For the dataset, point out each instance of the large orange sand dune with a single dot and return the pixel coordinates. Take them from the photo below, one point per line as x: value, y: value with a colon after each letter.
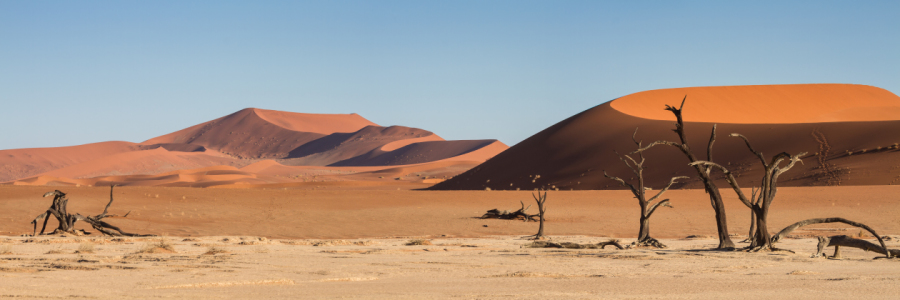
x: 849, y: 149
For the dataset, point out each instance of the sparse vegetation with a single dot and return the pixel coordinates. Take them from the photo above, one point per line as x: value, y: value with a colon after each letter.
x: 160, y: 246
x: 213, y: 250
x: 85, y: 248
x: 419, y: 243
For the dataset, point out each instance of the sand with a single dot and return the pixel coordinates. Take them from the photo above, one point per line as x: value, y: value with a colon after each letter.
x: 573, y: 153
x: 292, y: 146
x: 767, y: 104
x: 333, y: 241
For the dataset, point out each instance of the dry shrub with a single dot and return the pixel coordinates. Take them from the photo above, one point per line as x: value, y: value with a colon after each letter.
x: 296, y: 242
x: 213, y: 250
x: 160, y: 246
x: 5, y: 249
x: 419, y: 243
x: 85, y: 248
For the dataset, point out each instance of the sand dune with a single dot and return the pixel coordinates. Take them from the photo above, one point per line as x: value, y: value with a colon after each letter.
x: 284, y: 142
x: 417, y: 153
x: 21, y: 163
x: 572, y: 154
x: 337, y: 147
x: 768, y: 104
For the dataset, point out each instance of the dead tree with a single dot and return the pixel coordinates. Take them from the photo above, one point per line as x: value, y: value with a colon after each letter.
x: 507, y: 215
x: 761, y: 198
x: 703, y: 171
x: 832, y: 241
x: 648, y: 207
x: 846, y: 241
x: 67, y: 221
x: 541, y: 199
x: 568, y: 245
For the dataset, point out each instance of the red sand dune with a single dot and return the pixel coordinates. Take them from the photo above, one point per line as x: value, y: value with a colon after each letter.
x: 22, y: 163
x: 573, y: 153
x: 279, y: 146
x: 768, y: 104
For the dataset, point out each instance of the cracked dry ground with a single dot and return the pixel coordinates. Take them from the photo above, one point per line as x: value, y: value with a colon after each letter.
x: 50, y: 267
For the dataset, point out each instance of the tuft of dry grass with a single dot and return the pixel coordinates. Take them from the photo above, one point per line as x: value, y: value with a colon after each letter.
x: 85, y: 248
x: 213, y: 250
x: 160, y: 246
x: 419, y: 243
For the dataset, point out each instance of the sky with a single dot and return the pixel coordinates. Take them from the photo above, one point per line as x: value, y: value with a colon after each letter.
x: 77, y: 72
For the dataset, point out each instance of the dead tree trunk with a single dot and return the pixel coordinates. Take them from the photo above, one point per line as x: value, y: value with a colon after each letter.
x: 760, y: 199
x: 507, y: 215
x: 67, y: 221
x: 715, y: 198
x: 57, y: 209
x: 648, y: 207
x: 846, y: 241
x: 787, y: 230
x: 541, y: 199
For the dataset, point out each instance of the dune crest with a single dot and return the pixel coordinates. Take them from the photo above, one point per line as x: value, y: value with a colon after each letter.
x: 767, y: 104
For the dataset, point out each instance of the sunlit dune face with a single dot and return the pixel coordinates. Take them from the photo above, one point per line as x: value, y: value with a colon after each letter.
x: 766, y: 104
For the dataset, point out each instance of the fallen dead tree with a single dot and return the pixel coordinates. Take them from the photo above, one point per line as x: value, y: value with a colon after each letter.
x: 840, y: 240
x: 568, y: 245
x: 66, y: 221
x: 847, y: 241
x: 519, y: 214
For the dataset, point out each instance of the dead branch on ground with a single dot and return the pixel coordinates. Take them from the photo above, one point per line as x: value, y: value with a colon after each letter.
x: 846, y: 241
x: 568, y: 245
x: 520, y: 214
x: 67, y: 221
x: 787, y: 230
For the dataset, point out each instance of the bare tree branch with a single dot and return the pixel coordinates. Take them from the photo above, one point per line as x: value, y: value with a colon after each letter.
x: 790, y: 228
x: 671, y: 182
x: 729, y: 177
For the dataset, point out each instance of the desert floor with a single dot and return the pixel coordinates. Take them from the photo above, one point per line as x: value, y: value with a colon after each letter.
x: 338, y: 241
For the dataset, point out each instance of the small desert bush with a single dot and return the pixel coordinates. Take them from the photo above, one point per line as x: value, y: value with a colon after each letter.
x: 160, y: 246
x: 6, y: 249
x: 85, y: 248
x: 213, y: 250
x: 419, y: 243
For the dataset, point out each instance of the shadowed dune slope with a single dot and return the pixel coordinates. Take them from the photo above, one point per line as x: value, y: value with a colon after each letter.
x: 342, y: 146
x: 572, y: 154
x: 417, y: 153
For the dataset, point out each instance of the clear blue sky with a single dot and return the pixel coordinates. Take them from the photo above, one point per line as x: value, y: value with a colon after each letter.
x: 76, y: 72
